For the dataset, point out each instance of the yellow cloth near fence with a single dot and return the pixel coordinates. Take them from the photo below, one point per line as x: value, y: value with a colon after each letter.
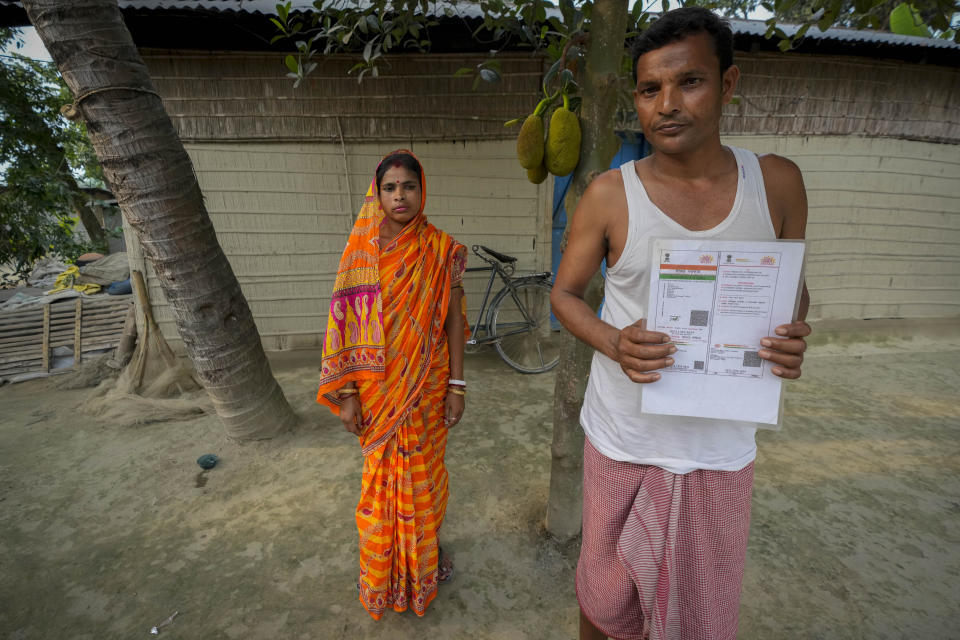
x: 68, y: 280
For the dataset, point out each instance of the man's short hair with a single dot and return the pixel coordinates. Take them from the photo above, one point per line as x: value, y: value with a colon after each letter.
x: 676, y: 25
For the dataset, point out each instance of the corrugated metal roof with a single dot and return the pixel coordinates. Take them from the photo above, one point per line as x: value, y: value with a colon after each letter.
x: 759, y: 28
x: 756, y: 28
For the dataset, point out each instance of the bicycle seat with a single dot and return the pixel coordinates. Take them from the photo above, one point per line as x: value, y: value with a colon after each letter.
x: 499, y: 256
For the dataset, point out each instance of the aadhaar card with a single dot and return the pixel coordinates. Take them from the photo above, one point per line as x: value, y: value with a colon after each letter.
x: 717, y: 300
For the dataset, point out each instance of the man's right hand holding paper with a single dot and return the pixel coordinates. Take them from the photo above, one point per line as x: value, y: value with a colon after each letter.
x: 641, y: 353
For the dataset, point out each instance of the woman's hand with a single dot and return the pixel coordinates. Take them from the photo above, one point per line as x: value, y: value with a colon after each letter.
x: 453, y: 411
x: 351, y: 414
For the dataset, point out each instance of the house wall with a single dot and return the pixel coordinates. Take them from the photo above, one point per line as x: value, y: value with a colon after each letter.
x: 214, y: 96
x: 802, y: 94
x: 883, y: 232
x: 284, y: 170
x: 282, y: 213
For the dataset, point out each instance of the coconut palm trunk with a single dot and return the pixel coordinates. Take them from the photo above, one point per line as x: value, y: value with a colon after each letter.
x: 152, y: 177
x: 598, y: 145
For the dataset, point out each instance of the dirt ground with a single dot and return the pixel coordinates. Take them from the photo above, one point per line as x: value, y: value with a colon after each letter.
x: 107, y: 526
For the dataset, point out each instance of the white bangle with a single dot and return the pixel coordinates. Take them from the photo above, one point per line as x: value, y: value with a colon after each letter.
x: 459, y: 383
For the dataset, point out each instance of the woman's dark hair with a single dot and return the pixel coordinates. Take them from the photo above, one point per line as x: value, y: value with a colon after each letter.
x: 676, y: 25
x: 405, y: 160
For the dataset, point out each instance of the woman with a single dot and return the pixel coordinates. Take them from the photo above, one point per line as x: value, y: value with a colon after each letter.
x: 392, y: 370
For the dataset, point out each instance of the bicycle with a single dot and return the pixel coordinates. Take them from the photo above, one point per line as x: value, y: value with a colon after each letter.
x: 518, y: 321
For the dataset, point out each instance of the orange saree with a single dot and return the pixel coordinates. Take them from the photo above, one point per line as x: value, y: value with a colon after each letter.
x: 386, y: 332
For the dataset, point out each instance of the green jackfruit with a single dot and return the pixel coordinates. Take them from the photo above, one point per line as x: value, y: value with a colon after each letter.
x: 538, y: 174
x: 530, y: 142
x: 563, y: 141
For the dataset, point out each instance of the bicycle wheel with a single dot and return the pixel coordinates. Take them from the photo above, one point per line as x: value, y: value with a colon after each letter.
x: 520, y: 320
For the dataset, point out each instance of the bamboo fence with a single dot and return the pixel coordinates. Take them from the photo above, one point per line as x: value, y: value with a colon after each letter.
x: 28, y: 336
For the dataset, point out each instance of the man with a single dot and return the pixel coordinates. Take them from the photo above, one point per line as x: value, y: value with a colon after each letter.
x: 667, y: 499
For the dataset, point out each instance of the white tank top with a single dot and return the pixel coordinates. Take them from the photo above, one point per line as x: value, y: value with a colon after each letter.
x: 611, y: 414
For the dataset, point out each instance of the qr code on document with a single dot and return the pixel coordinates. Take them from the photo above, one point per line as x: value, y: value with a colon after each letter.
x: 699, y: 318
x: 751, y: 359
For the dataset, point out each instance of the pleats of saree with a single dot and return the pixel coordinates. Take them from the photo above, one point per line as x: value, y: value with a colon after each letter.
x: 401, y: 508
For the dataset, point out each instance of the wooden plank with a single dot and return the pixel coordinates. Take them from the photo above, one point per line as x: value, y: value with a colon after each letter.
x: 59, y: 307
x: 62, y: 320
x: 37, y: 316
x: 19, y: 369
x: 20, y: 355
x: 34, y: 337
x: 103, y: 331
x: 46, y: 338
x: 77, y: 338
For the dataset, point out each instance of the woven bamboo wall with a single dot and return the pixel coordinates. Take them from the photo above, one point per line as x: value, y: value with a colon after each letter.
x: 240, y: 96
x: 836, y: 95
x: 246, y: 96
x: 883, y: 233
x: 282, y: 212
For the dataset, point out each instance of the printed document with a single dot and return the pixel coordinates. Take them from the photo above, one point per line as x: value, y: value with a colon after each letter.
x: 717, y: 299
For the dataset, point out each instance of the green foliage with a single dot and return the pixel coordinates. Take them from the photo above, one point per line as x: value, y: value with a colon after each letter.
x: 557, y: 28
x: 905, y: 19
x: 935, y: 15
x: 375, y: 28
x: 39, y: 154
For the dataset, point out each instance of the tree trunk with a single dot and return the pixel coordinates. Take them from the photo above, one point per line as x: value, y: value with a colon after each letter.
x: 81, y: 206
x: 152, y: 178
x: 598, y: 146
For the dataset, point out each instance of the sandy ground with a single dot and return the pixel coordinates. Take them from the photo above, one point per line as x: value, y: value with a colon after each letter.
x: 108, y: 527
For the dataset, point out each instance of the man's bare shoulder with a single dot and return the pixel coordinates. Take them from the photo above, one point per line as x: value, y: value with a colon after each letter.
x: 606, y: 185
x: 605, y: 196
x: 779, y: 173
x: 786, y: 195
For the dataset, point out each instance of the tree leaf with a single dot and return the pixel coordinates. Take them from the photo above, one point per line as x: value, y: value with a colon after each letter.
x: 367, y: 50
x: 463, y: 71
x: 291, y: 63
x: 905, y: 20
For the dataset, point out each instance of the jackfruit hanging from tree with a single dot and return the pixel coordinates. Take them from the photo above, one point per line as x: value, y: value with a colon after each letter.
x: 563, y: 141
x: 538, y: 174
x: 530, y: 140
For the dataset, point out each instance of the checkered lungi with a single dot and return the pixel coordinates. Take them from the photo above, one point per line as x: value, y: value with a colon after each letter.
x: 662, y: 554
